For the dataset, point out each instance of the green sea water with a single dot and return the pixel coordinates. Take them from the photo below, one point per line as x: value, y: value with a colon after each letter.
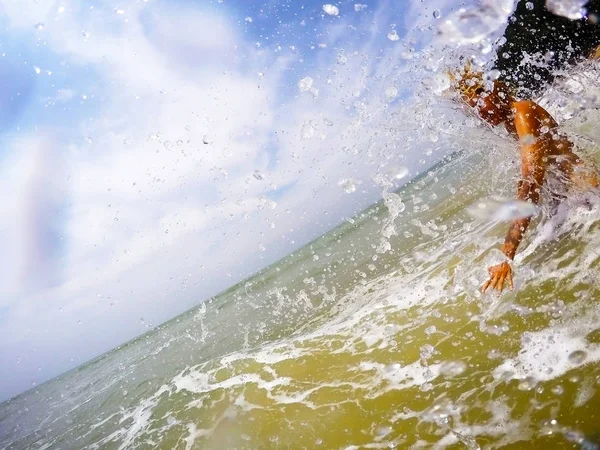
x: 373, y: 336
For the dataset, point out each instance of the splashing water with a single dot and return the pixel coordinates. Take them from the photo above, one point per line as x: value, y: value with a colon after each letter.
x: 501, y: 209
x: 474, y: 24
x: 331, y: 10
x: 571, y: 9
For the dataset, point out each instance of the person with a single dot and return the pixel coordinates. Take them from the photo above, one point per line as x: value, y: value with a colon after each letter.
x: 541, y: 146
x: 537, y: 44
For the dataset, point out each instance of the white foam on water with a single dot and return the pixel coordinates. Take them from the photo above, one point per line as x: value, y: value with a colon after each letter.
x: 397, y: 376
x: 199, y: 383
x: 500, y: 425
x: 271, y: 355
x: 140, y: 422
x: 574, y: 217
x: 544, y: 354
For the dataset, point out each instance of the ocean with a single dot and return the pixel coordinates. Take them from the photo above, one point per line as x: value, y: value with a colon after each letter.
x: 374, y: 335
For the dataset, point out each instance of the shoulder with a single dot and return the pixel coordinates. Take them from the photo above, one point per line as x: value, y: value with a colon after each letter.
x: 529, y: 112
x: 528, y: 106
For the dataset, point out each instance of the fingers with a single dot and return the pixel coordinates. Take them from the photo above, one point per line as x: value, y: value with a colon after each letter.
x: 491, y: 282
x: 485, y: 286
x: 498, y: 276
x: 500, y: 282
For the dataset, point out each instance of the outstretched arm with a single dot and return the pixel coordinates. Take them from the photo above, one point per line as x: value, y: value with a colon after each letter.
x: 533, y: 125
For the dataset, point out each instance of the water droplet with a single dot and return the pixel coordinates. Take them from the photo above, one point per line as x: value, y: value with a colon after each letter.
x: 426, y: 351
x: 393, y: 36
x: 398, y: 172
x: 578, y: 438
x: 578, y: 356
x: 428, y: 375
x: 307, y: 131
x: 529, y: 6
x: 205, y: 140
x: 452, y: 368
x: 437, y: 14
x: 474, y: 24
x: 425, y: 387
x: 557, y: 390
x: 493, y: 75
x: 348, y: 185
x: 305, y: 84
x: 259, y: 176
x: 469, y: 441
x: 382, y: 431
x: 391, y: 368
x: 37, y: 70
x: 575, y: 379
x: 248, y: 19
x: 120, y: 11
x: 498, y: 209
x: 88, y: 140
x: 391, y: 92
x: 527, y: 384
x: 332, y: 10
x: 430, y: 330
x: 39, y: 26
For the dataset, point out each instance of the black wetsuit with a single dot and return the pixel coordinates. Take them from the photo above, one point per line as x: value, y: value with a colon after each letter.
x: 538, y: 43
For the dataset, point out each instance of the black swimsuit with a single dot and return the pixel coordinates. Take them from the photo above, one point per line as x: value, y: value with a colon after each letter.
x: 538, y: 43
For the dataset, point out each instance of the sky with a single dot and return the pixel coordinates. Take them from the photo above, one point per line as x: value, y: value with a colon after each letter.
x: 155, y: 152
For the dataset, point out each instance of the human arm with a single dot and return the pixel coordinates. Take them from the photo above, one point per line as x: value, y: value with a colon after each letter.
x: 532, y: 125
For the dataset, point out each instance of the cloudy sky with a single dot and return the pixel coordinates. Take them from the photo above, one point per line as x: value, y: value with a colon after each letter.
x: 155, y: 152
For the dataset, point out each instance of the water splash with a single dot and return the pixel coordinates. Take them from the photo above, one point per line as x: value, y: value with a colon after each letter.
x: 331, y: 10
x: 497, y: 209
x: 473, y: 25
x: 571, y: 9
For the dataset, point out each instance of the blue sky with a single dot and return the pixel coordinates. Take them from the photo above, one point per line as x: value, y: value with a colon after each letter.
x: 156, y: 152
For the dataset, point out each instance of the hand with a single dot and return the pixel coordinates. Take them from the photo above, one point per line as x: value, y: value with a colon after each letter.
x: 498, y: 275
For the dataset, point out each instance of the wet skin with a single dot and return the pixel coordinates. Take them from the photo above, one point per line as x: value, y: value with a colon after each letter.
x: 540, y: 145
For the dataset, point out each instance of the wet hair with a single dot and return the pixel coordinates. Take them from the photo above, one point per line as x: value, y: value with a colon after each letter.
x: 471, y: 85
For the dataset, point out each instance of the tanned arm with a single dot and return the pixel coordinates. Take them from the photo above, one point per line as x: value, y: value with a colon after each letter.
x: 533, y: 127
